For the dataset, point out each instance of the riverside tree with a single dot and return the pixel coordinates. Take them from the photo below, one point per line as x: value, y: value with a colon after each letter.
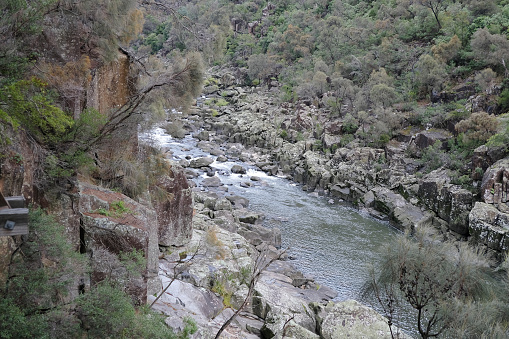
x: 444, y: 283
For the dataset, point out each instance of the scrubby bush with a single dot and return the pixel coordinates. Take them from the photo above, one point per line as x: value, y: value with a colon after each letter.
x: 451, y: 287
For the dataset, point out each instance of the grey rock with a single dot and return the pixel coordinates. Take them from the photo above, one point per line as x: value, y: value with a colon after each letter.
x: 238, y: 202
x: 201, y: 162
x: 222, y: 204
x: 238, y: 169
x: 202, y: 136
x: 406, y: 215
x: 184, y: 163
x: 222, y: 158
x: 489, y: 226
x: 174, y: 214
x: 352, y: 319
x: 211, y: 182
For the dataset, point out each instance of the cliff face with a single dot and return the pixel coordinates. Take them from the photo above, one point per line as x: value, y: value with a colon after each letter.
x: 76, y: 203
x: 111, y: 85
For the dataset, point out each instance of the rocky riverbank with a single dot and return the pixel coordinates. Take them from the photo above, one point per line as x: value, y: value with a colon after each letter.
x: 301, y: 142
x: 208, y: 277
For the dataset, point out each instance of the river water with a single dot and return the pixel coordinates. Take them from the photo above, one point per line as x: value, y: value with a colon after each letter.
x: 333, y: 243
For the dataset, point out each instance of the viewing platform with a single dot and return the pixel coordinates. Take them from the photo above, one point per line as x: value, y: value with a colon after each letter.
x: 13, y: 216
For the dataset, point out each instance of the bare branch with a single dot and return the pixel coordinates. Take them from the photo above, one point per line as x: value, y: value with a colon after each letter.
x: 190, y: 260
x: 261, y: 263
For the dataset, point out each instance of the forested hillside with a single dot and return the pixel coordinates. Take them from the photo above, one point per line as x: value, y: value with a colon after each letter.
x: 381, y: 68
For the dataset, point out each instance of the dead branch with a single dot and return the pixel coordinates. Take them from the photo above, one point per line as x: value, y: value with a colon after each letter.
x: 261, y: 263
x: 175, y: 275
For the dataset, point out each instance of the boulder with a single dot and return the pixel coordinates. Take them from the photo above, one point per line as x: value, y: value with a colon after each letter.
x: 425, y: 139
x: 350, y: 319
x: 276, y: 300
x: 222, y: 158
x: 248, y: 217
x: 331, y: 142
x: 201, y: 162
x: 202, y: 136
x: 256, y: 235
x: 489, y: 227
x: 238, y: 169
x: 211, y: 182
x: 495, y: 183
x: 238, y: 202
x: 403, y: 213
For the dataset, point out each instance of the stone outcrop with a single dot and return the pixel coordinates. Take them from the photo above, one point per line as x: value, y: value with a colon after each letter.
x: 175, y: 210
x: 385, y: 182
x: 490, y: 227
x: 112, y: 224
x: 350, y: 319
x: 450, y: 202
x: 495, y: 185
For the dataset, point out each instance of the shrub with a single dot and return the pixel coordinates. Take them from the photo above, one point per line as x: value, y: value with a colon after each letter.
x: 28, y: 104
x: 478, y: 128
x: 503, y: 100
x: 439, y: 280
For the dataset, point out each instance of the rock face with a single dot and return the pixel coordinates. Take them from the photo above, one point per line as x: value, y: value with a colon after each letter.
x: 495, y: 185
x: 175, y: 213
x: 350, y: 319
x: 113, y: 223
x: 450, y: 202
x: 490, y: 227
x: 384, y: 182
x: 489, y: 220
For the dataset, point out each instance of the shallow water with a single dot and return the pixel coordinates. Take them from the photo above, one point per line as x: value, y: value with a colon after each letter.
x: 332, y: 243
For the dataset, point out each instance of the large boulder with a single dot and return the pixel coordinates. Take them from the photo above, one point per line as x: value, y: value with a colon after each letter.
x: 425, y: 139
x: 350, y: 319
x: 403, y: 213
x: 276, y: 300
x: 112, y: 224
x: 175, y: 212
x: 238, y: 169
x: 201, y: 162
x: 489, y: 226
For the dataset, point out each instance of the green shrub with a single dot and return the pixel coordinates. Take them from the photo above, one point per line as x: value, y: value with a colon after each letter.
x: 503, y: 100
x: 283, y: 134
x: 28, y: 104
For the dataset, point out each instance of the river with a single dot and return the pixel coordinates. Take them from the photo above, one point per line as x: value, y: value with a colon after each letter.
x: 333, y: 243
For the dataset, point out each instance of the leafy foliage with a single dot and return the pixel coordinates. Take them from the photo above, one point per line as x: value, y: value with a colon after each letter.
x: 27, y: 103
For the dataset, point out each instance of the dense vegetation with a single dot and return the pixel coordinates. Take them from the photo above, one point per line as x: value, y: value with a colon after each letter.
x: 379, y: 67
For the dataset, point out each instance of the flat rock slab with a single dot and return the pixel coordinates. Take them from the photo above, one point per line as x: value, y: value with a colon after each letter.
x: 350, y: 319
